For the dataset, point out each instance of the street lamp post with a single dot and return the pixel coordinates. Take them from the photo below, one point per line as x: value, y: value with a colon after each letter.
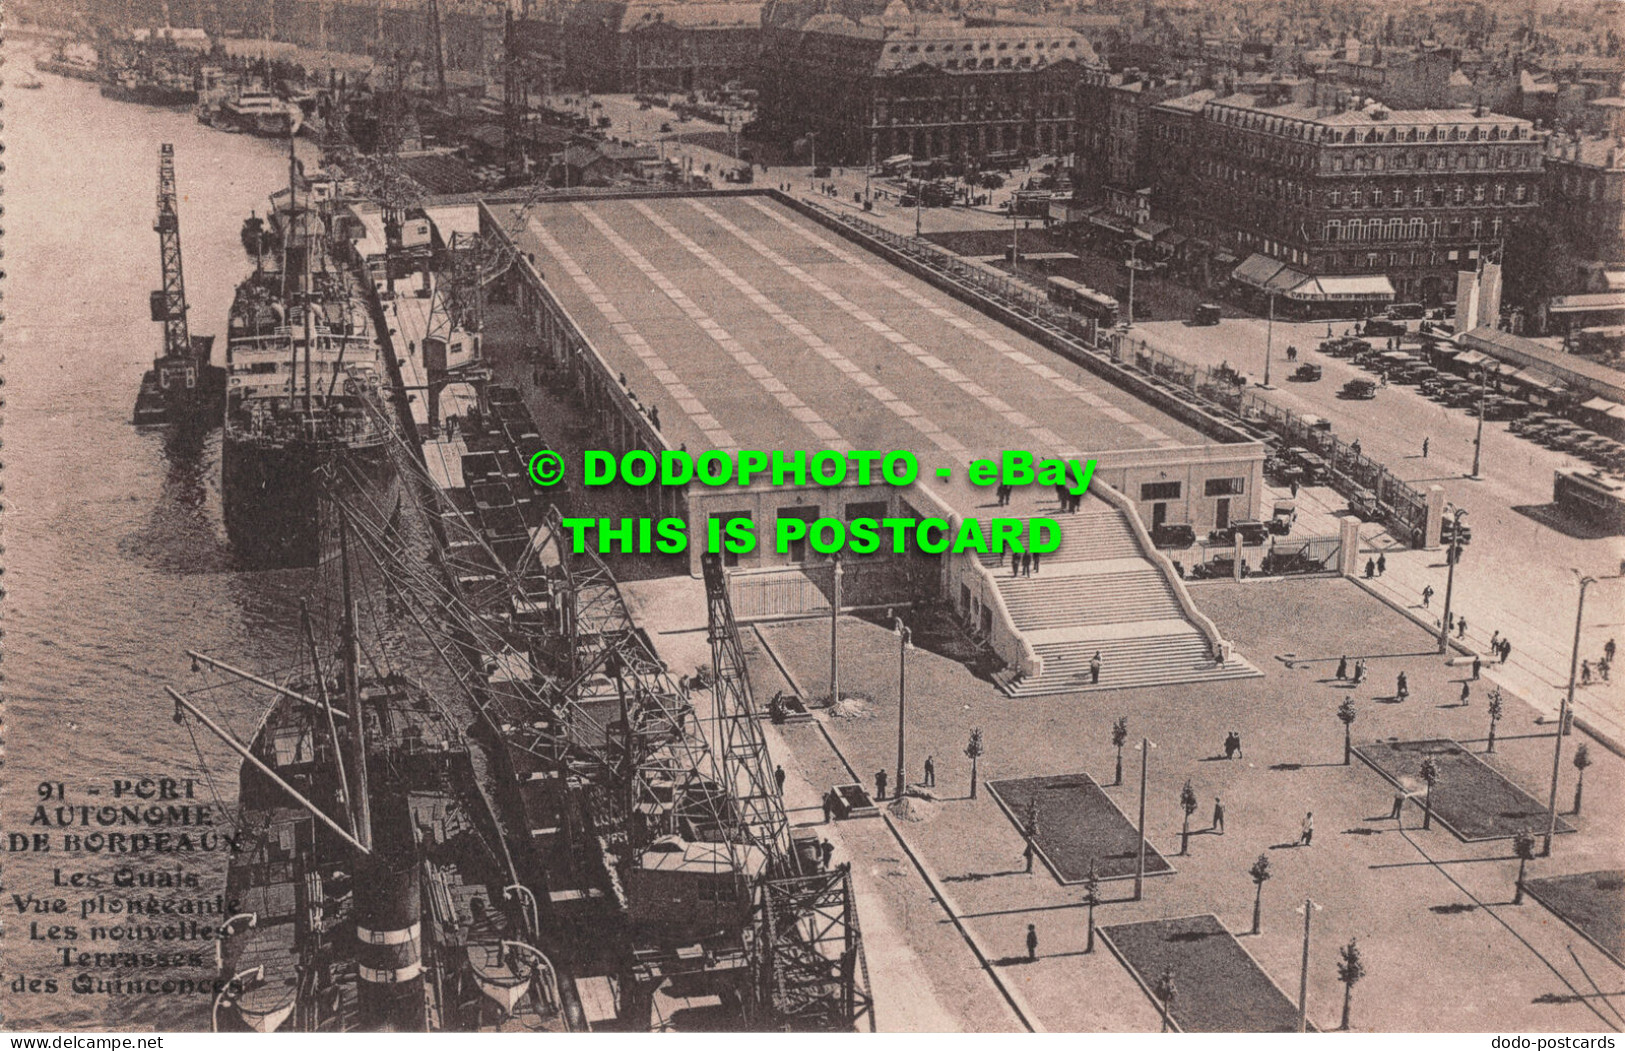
x: 1452, y: 556
x: 1133, y: 265
x: 1309, y: 908
x: 835, y: 633
x: 1563, y: 711
x: 1269, y: 342
x: 903, y: 639
x: 1139, y: 867
x: 1478, y: 440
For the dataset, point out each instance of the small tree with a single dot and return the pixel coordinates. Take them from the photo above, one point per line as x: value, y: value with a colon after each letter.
x: 1346, y: 713
x: 1030, y: 821
x: 1430, y: 777
x: 1582, y: 759
x: 1091, y: 898
x: 1523, y: 845
x: 1350, y: 969
x: 1166, y: 992
x: 1259, y: 872
x: 973, y: 752
x: 1187, y: 803
x: 1119, y: 735
x: 1495, y: 715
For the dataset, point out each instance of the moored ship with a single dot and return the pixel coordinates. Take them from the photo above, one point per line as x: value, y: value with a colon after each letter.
x: 253, y: 109
x: 373, y: 889
x: 302, y: 419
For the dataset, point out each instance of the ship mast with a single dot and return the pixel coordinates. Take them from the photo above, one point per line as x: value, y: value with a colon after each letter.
x: 361, y: 803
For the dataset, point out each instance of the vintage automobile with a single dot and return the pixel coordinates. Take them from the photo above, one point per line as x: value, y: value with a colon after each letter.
x: 1173, y: 535
x: 1359, y: 390
x: 1307, y: 373
x: 1282, y: 515
x: 1251, y: 533
x: 1206, y: 314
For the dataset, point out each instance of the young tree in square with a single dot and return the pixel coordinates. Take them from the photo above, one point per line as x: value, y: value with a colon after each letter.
x: 1187, y: 803
x: 1166, y: 992
x: 1091, y: 898
x: 1119, y: 736
x: 1350, y: 969
x: 1582, y: 759
x: 1430, y: 777
x: 1346, y: 713
x: 973, y: 752
x: 1259, y: 872
x: 1523, y: 846
x: 1495, y: 710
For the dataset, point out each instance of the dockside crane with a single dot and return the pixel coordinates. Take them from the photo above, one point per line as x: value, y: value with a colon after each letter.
x: 182, y: 386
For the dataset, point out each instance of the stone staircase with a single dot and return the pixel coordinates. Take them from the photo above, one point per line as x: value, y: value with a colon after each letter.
x: 1100, y: 593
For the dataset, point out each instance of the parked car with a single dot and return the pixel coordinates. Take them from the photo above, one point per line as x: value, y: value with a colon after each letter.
x: 1206, y: 314
x: 1173, y: 535
x: 1530, y: 422
x: 1251, y: 533
x: 1381, y: 326
x: 1363, y: 504
x: 1307, y: 373
x: 1282, y: 515
x: 1359, y: 390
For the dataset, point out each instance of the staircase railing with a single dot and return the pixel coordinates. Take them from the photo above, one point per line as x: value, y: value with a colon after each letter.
x: 1218, y: 646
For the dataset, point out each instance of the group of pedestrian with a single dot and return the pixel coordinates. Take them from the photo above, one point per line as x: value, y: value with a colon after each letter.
x: 1070, y: 501
x: 1358, y: 672
x: 1003, y: 492
x: 1376, y: 567
x: 1232, y: 745
x: 1023, y: 563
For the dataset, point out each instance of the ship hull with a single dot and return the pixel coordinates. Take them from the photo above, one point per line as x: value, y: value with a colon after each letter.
x: 281, y: 501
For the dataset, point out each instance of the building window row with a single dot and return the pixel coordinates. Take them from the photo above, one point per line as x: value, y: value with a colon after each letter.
x: 1412, y: 229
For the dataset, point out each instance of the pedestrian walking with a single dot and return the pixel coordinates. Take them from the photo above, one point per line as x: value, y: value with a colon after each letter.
x: 1237, y: 735
x: 1495, y: 640
x: 930, y: 772
x: 880, y: 784
x: 1308, y: 834
x: 1608, y: 650
x: 1294, y: 488
x: 1506, y: 650
x: 1461, y: 627
x: 1218, y: 815
x: 1035, y: 563
x: 828, y: 808
x: 1359, y: 671
x: 1032, y: 942
x: 778, y: 778
x: 1402, y: 687
x: 1230, y: 746
x: 1427, y: 596
x: 1094, y: 669
x: 1424, y: 448
x: 1342, y: 668
x: 1466, y: 694
x: 1026, y: 563
x: 827, y: 849
x: 1602, y: 668
x: 1478, y: 666
x: 1585, y: 673
x: 1015, y: 563
x: 1399, y: 805
x: 1382, y: 563
x: 1370, y: 568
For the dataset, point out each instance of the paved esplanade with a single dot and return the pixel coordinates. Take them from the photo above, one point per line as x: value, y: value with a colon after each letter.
x: 751, y: 327
x: 1515, y: 576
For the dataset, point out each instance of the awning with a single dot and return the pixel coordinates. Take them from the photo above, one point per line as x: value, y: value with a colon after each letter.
x: 1602, y: 405
x: 1537, y: 380
x: 1614, y: 280
x: 1471, y: 357
x: 1373, y: 287
x: 1587, y: 303
x: 1268, y: 275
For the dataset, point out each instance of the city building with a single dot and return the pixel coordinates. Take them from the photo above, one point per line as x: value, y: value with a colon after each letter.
x: 928, y: 89
x: 1585, y: 206
x: 1113, y: 150
x: 650, y: 46
x: 1360, y: 205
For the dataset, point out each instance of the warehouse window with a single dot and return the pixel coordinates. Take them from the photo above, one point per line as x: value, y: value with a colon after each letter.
x: 1160, y: 491
x: 1224, y: 486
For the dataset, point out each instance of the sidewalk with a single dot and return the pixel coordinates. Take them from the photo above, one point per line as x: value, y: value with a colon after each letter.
x: 1539, y: 626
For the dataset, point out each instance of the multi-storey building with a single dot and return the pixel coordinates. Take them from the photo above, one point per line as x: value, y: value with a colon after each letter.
x: 1113, y: 150
x: 659, y: 45
x: 1412, y: 196
x: 1585, y: 205
x: 929, y: 89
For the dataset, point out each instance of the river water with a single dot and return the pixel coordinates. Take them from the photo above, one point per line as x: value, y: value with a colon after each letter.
x: 116, y: 559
